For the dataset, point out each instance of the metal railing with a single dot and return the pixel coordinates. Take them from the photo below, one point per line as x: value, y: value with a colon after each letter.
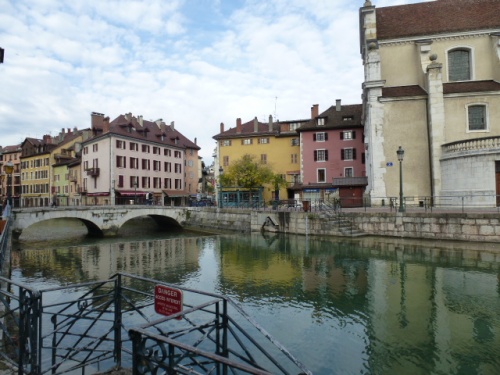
x: 97, y: 326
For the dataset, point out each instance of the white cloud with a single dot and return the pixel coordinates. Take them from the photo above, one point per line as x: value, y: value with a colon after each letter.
x: 195, y: 62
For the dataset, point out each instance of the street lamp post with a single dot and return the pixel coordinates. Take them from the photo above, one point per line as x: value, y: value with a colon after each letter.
x: 221, y: 171
x: 401, y: 154
x: 9, y: 168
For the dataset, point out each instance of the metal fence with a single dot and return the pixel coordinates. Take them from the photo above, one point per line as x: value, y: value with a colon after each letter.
x: 97, y: 326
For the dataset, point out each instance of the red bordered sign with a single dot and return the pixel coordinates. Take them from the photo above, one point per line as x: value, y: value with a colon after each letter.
x: 168, y: 300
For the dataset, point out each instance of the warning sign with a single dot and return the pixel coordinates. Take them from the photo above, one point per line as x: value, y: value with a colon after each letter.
x: 168, y: 300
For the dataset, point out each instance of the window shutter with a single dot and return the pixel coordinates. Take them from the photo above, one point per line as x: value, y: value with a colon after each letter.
x: 124, y: 162
x: 315, y: 155
x: 341, y: 135
x: 363, y: 158
x: 118, y: 161
x: 326, y: 136
x: 342, y: 154
x: 353, y: 154
x: 326, y: 155
x: 314, y: 137
x: 354, y: 134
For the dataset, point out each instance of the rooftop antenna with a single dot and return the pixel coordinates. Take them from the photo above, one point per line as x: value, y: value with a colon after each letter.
x: 275, y: 104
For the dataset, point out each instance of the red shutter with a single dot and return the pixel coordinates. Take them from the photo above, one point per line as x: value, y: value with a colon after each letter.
x: 354, y: 134
x: 326, y: 136
x: 341, y: 135
x: 342, y: 154
x: 353, y: 154
x: 314, y: 137
x: 315, y: 155
x: 326, y: 155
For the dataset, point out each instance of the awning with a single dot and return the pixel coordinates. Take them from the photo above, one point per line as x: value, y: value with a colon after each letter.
x: 102, y: 194
x: 176, y: 193
x: 130, y: 193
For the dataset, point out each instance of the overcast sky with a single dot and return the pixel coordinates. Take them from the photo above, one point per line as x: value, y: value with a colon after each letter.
x: 195, y: 62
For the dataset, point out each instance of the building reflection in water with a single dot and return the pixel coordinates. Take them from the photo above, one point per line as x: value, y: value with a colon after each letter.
x: 368, y: 305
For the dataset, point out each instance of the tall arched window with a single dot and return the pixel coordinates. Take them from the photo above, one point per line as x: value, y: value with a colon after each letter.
x: 459, y: 65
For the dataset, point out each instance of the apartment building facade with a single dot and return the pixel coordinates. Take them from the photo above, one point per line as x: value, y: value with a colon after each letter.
x: 10, y: 154
x: 129, y: 157
x: 275, y: 144
x: 333, y: 157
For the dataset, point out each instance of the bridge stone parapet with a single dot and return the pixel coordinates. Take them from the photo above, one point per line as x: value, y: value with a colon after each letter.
x: 99, y: 220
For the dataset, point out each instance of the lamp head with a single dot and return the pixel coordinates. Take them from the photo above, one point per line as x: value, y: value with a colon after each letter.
x: 401, y: 153
x: 221, y: 170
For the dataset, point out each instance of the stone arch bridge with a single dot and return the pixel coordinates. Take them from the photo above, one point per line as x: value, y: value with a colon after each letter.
x: 99, y: 220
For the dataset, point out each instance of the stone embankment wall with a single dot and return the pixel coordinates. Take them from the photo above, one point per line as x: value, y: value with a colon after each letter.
x: 440, y: 226
x: 445, y: 226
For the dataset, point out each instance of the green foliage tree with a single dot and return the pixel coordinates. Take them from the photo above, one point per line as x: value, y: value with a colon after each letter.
x: 248, y: 173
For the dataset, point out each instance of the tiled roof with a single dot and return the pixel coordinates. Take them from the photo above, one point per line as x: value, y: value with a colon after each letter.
x: 147, y: 131
x: 471, y: 86
x: 348, y: 116
x: 9, y: 149
x: 401, y: 91
x: 437, y: 17
x: 248, y: 129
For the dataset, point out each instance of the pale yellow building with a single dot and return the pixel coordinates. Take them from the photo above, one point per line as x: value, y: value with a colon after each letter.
x: 433, y: 88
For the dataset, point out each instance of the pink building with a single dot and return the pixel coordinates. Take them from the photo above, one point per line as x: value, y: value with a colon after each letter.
x: 333, y: 155
x: 129, y: 157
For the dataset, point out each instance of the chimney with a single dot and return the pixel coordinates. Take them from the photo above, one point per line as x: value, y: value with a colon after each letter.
x: 96, y: 120
x: 139, y: 118
x: 221, y: 127
x: 238, y: 125
x: 270, y: 123
x: 255, y: 125
x: 172, y: 125
x: 105, y: 124
x: 195, y: 141
x: 338, y: 105
x: 69, y: 130
x: 47, y: 139
x: 128, y: 116
x: 314, y: 111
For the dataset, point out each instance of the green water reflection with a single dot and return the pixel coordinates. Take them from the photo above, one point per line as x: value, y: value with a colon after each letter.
x: 363, y: 306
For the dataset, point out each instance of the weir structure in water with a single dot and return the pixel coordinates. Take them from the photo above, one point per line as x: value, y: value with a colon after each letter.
x: 114, y: 324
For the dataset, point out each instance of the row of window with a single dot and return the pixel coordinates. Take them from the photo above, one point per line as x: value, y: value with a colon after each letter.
x: 35, y: 163
x: 321, y: 174
x: 262, y: 141
x: 35, y: 189
x: 345, y: 154
x: 121, y: 162
x: 134, y: 146
x: 344, y: 135
x: 35, y: 175
x: 148, y: 182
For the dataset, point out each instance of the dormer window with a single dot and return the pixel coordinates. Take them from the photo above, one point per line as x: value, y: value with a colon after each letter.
x: 320, y: 121
x: 459, y: 65
x: 347, y: 118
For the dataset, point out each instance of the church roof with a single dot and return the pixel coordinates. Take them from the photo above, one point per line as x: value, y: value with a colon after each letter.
x: 437, y: 17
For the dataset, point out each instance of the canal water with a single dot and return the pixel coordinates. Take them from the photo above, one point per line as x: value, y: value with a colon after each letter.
x: 341, y: 306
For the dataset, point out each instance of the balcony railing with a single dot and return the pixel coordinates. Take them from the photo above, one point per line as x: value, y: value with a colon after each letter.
x: 476, y: 144
x: 94, y: 172
x: 350, y: 181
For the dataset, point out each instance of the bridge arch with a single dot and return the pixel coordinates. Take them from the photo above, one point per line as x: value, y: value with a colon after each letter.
x: 99, y: 221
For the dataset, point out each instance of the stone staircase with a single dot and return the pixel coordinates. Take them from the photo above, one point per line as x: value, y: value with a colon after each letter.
x: 331, y: 212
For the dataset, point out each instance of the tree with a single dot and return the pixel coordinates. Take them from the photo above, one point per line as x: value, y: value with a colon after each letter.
x: 247, y: 173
